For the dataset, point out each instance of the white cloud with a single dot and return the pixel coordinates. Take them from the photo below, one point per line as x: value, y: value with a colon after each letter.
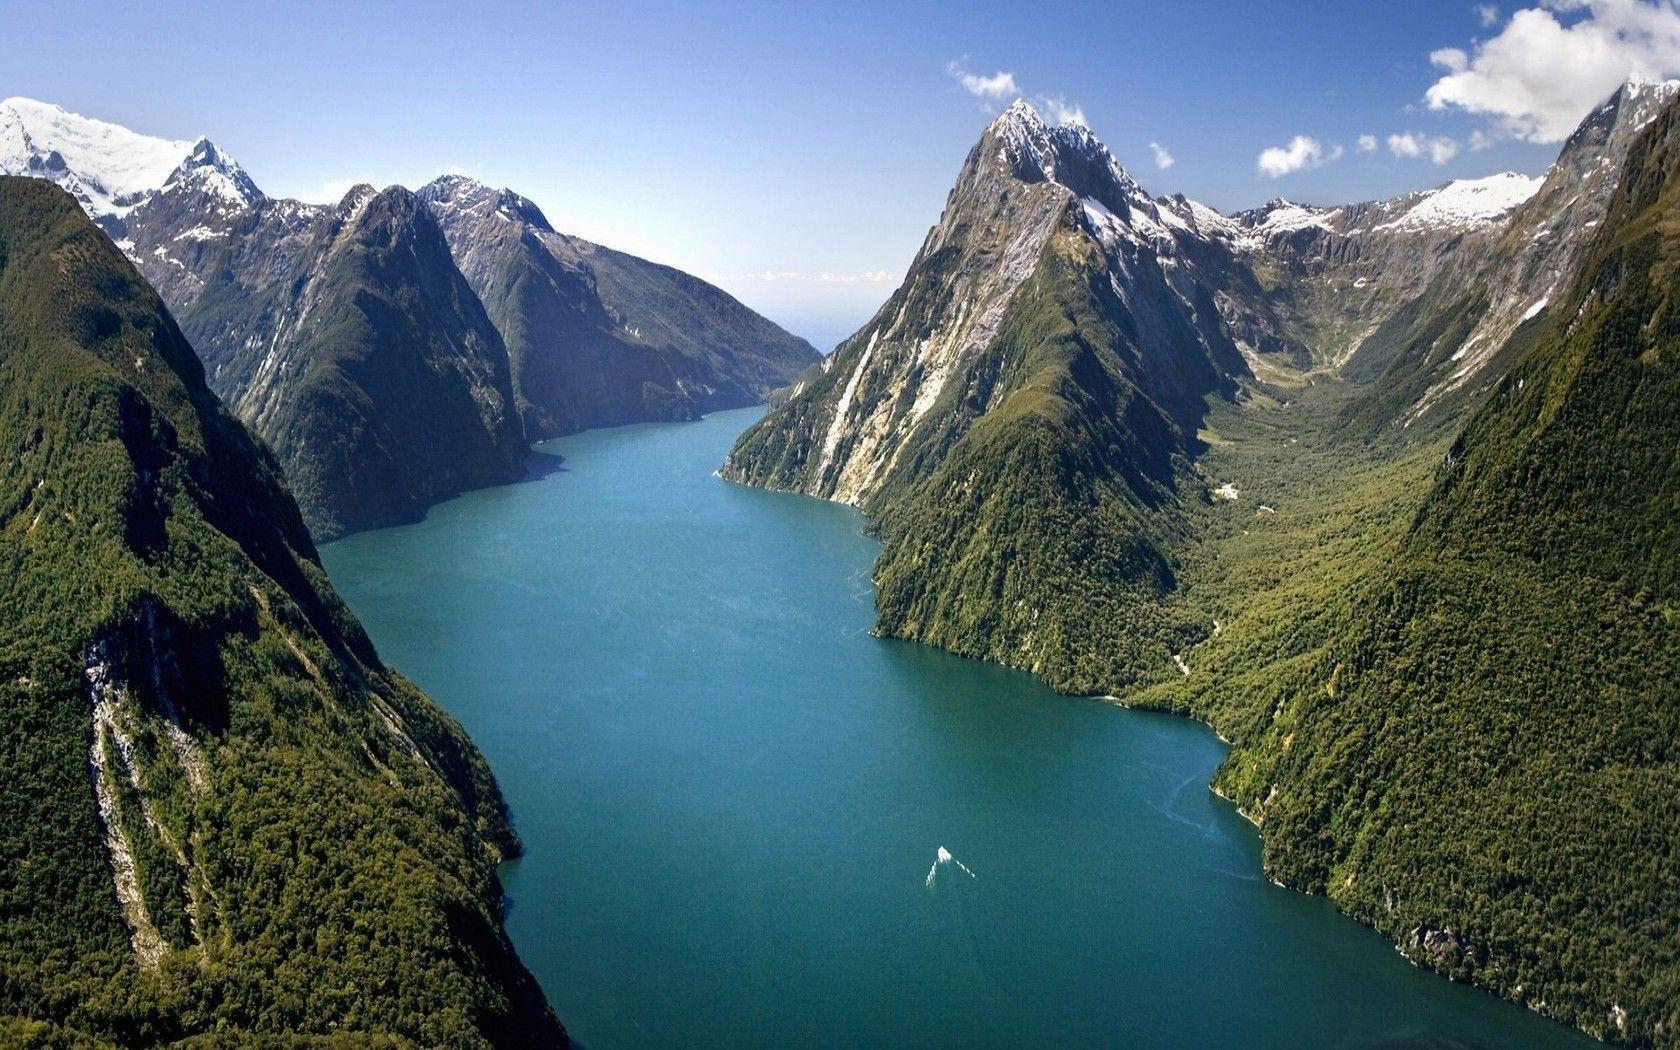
x: 1411, y: 145
x: 1488, y: 15
x: 1367, y: 144
x: 1163, y: 158
x: 1302, y: 152
x: 1061, y: 111
x: 1551, y: 64
x: 997, y: 87
x: 1480, y: 140
x: 1451, y: 59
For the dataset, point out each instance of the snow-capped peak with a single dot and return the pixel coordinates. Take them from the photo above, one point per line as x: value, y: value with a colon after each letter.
x: 1468, y: 202
x: 1019, y: 113
x: 1280, y: 217
x: 463, y: 195
x: 106, y: 166
x: 1068, y: 153
x: 209, y: 169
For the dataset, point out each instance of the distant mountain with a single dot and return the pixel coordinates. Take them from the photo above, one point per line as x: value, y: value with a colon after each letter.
x: 106, y: 167
x: 1430, y: 305
x: 222, y: 816
x: 598, y: 337
x: 1047, y: 424
x: 347, y: 337
x: 344, y: 335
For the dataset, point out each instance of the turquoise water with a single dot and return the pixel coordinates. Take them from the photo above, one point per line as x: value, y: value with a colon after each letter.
x: 731, y: 795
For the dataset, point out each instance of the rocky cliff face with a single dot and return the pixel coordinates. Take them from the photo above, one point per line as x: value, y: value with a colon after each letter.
x: 347, y: 339
x: 910, y: 383
x: 222, y: 815
x: 597, y: 337
x: 1428, y: 291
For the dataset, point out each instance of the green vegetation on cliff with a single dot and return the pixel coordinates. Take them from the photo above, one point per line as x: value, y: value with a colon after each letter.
x: 222, y: 815
x: 363, y: 358
x: 1056, y: 560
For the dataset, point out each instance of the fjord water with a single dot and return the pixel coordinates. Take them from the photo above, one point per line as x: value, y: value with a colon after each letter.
x: 732, y: 797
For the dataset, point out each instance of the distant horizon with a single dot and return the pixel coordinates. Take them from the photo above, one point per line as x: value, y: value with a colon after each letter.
x: 797, y: 159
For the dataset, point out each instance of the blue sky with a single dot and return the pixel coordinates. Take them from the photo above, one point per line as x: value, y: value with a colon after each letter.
x: 817, y: 142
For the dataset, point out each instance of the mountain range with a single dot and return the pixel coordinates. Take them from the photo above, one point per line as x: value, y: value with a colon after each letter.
x: 1384, y: 492
x: 396, y: 348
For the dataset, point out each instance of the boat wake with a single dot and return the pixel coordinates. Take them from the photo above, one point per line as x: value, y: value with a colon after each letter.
x: 943, y: 858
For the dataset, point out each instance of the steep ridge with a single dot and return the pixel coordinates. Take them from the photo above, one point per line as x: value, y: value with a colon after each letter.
x: 106, y: 167
x: 597, y: 337
x: 1444, y: 347
x: 1329, y: 277
x: 222, y: 815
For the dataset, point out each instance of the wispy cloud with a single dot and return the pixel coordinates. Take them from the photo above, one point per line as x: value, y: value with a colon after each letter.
x: 1551, y: 64
x: 1410, y: 145
x: 1302, y: 153
x: 995, y: 88
x: 1163, y: 157
x: 333, y: 190
x: 1488, y: 15
x: 1061, y: 111
x: 1367, y: 144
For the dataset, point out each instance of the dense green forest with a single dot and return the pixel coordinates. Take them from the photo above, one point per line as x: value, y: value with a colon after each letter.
x: 224, y: 819
x: 1459, y: 716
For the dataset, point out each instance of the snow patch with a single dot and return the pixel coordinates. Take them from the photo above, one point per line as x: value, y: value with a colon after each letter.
x: 1468, y: 202
x: 104, y: 165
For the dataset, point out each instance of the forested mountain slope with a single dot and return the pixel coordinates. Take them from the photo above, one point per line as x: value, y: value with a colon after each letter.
x: 222, y: 815
x: 1019, y: 415
x: 1476, y: 749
